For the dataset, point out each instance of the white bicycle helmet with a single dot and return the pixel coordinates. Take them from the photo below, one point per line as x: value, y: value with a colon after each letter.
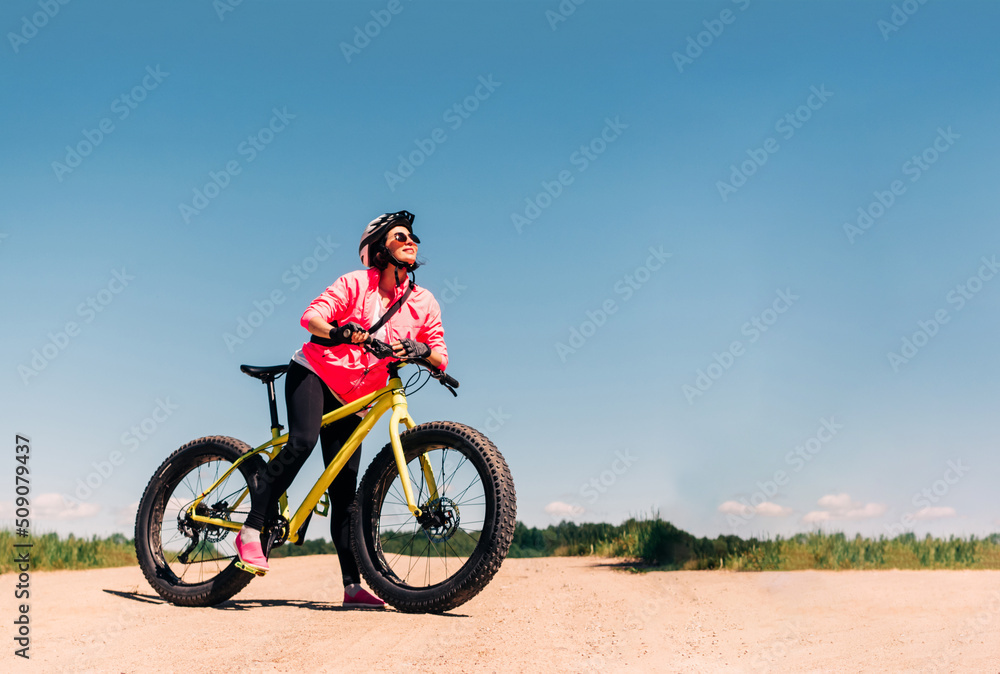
x: 374, y: 235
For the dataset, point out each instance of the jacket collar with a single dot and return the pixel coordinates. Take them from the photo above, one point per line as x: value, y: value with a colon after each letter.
x: 373, y: 278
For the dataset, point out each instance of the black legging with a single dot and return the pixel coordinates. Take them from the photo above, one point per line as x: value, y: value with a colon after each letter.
x: 308, y: 399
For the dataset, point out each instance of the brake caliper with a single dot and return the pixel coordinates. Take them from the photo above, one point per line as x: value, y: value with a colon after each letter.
x: 440, y: 519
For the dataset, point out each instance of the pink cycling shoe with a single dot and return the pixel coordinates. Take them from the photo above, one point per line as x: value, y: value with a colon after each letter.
x: 251, y: 556
x: 362, y: 599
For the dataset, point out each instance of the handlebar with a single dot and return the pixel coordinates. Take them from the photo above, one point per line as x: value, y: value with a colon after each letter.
x: 380, y: 350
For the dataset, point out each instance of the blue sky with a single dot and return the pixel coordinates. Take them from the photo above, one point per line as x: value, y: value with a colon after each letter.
x: 738, y: 140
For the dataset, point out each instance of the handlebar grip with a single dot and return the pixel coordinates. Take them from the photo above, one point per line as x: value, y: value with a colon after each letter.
x: 382, y: 350
x: 379, y: 348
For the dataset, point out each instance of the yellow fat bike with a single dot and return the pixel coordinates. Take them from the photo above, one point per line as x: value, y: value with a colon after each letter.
x: 432, y: 520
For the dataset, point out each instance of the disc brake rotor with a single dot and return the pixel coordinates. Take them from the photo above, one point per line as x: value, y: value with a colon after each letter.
x: 210, y: 532
x: 440, y: 519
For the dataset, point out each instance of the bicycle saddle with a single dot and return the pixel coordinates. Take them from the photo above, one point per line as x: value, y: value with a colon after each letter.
x: 264, y: 372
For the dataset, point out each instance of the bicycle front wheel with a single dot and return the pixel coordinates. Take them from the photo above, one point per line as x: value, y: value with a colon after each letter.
x: 445, y: 557
x: 190, y: 563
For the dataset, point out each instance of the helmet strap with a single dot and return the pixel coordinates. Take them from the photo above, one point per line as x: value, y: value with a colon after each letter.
x: 396, y: 265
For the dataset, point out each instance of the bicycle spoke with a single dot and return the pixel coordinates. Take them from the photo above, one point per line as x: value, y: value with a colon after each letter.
x: 398, y: 554
x: 412, y: 558
x: 448, y: 481
x: 462, y: 493
x: 214, y: 552
x: 442, y: 551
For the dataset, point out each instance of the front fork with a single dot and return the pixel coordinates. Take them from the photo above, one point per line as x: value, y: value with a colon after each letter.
x: 400, y: 414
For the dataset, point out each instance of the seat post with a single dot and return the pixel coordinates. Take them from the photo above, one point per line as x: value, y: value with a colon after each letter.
x: 273, y: 403
x: 268, y: 374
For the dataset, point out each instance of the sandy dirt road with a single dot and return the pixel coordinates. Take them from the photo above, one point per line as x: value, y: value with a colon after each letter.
x: 540, y: 615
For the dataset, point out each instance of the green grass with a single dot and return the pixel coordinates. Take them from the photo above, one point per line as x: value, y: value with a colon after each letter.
x: 650, y: 543
x: 837, y: 551
x: 654, y: 543
x: 50, y: 552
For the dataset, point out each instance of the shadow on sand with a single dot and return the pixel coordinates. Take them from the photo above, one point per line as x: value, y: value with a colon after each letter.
x: 248, y: 604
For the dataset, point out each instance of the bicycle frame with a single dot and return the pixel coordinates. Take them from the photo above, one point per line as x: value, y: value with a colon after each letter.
x: 393, y: 397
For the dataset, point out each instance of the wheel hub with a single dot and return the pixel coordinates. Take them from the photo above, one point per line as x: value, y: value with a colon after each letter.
x: 440, y: 519
x: 211, y: 533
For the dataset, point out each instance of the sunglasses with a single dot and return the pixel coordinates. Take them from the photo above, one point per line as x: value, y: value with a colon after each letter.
x: 403, y: 238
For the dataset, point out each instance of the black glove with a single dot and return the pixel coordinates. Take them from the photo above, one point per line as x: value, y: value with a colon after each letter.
x: 341, y: 334
x: 414, y: 349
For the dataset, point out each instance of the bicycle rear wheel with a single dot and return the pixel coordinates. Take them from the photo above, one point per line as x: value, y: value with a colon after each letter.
x: 448, y: 555
x: 189, y: 563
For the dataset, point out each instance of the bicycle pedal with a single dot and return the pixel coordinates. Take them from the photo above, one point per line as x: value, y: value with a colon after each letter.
x: 248, y: 569
x: 322, y: 507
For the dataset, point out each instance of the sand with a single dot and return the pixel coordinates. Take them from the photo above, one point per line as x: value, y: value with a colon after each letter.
x: 538, y: 615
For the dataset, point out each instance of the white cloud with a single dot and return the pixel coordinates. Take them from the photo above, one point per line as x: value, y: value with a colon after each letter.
x: 560, y: 509
x: 843, y: 507
x: 930, y: 513
x: 768, y: 509
x: 52, y: 506
x: 735, y: 508
x: 816, y: 516
x: 837, y: 502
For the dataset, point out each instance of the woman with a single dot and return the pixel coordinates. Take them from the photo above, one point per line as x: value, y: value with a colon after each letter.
x: 333, y: 369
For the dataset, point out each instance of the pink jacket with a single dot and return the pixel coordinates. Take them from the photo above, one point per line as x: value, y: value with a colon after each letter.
x: 350, y: 371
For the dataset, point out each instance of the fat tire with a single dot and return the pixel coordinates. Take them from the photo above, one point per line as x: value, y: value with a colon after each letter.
x: 230, y: 580
x: 494, y: 542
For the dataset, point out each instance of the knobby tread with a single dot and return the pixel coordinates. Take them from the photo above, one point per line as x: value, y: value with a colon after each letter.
x: 459, y: 589
x: 229, y: 581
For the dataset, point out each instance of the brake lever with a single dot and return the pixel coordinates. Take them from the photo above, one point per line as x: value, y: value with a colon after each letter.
x: 382, y: 350
x: 379, y: 348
